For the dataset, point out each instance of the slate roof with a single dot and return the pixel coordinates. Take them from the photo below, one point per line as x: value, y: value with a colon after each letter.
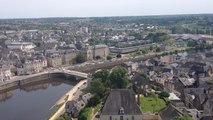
x: 207, y: 118
x: 121, y: 98
x: 138, y: 79
x: 166, y: 70
x: 169, y: 113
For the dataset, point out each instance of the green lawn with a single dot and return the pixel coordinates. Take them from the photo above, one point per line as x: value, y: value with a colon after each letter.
x: 152, y: 104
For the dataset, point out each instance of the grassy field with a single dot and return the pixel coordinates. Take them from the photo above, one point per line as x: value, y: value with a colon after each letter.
x: 152, y: 104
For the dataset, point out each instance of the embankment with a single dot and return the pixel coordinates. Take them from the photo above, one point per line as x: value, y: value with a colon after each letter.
x: 25, y: 81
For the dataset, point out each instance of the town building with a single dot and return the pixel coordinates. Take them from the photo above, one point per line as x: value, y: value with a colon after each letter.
x: 74, y: 107
x: 54, y: 60
x: 31, y: 65
x: 170, y: 112
x: 96, y: 51
x: 36, y: 64
x: 24, y: 46
x: 5, y: 73
x: 121, y: 105
x: 68, y: 56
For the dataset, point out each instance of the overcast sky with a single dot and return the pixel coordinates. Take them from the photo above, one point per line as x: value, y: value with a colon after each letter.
x: 89, y: 8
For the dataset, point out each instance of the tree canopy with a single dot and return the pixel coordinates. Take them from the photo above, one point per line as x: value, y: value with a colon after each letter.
x: 109, y: 57
x: 118, y: 77
x: 164, y: 94
x: 81, y: 57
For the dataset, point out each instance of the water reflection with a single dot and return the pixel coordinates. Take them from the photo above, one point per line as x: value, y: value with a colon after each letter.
x: 33, y: 101
x: 5, y: 96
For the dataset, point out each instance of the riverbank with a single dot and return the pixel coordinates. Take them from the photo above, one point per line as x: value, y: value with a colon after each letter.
x: 33, y: 100
x: 18, y: 81
x: 69, y: 96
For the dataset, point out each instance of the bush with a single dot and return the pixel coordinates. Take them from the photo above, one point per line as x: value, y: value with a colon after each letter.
x: 164, y: 94
x: 85, y: 114
x: 65, y: 116
x: 109, y: 57
x: 95, y: 100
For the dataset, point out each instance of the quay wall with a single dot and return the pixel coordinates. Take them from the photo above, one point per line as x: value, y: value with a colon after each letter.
x: 9, y: 85
x: 29, y: 80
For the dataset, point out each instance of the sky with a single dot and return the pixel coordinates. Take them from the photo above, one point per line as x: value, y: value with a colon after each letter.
x: 99, y: 8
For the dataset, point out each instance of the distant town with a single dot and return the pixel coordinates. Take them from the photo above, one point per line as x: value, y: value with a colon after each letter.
x: 125, y: 68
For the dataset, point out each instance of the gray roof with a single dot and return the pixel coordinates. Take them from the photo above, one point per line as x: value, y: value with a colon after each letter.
x: 207, y: 118
x: 169, y: 113
x: 121, y: 98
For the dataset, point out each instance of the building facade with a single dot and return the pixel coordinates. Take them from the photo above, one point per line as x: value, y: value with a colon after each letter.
x: 5, y: 73
x: 97, y: 51
x: 121, y: 105
x: 24, y: 46
x: 54, y: 60
x: 68, y: 57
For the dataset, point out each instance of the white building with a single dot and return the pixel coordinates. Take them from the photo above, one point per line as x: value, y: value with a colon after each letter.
x: 24, y: 46
x: 5, y: 73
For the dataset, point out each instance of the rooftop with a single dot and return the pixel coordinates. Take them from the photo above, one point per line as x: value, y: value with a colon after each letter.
x: 121, y: 98
x: 172, y: 96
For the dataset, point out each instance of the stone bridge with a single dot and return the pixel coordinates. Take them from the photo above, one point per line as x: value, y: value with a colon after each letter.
x: 70, y: 72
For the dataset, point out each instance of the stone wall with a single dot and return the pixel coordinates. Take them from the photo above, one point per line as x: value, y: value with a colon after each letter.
x: 29, y: 80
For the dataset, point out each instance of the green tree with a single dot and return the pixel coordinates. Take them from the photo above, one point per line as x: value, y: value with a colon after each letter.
x: 97, y: 87
x: 102, y: 74
x: 65, y: 116
x: 81, y: 57
x: 95, y: 100
x: 85, y: 114
x: 93, y: 42
x: 109, y: 57
x: 118, y: 77
x: 158, y: 49
x: 164, y: 94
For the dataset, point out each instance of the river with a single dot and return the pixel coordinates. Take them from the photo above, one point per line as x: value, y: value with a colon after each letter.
x: 33, y: 102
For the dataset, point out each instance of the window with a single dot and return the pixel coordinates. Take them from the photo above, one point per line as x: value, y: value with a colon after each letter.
x: 121, y: 117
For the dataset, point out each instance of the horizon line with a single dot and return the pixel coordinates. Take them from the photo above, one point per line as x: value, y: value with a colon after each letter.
x: 151, y: 15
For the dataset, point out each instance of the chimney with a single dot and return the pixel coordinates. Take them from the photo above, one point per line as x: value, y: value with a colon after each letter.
x: 138, y: 99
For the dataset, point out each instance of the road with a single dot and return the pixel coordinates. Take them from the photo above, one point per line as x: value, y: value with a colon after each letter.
x: 72, y: 94
x: 106, y: 64
x: 92, y: 66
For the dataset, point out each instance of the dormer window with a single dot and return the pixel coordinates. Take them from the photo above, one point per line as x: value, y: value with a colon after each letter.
x: 121, y: 111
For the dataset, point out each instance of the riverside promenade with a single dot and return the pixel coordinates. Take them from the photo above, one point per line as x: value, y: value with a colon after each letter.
x: 69, y: 96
